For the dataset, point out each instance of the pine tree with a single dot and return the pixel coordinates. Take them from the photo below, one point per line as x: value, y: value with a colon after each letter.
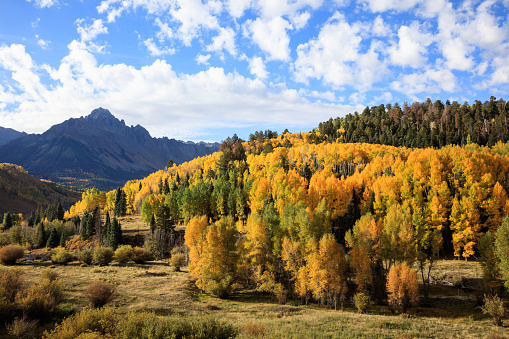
x: 115, y: 234
x: 7, y: 221
x: 60, y: 212
x: 107, y: 229
x: 53, y: 239
x: 62, y: 240
x: 41, y: 235
x: 152, y: 223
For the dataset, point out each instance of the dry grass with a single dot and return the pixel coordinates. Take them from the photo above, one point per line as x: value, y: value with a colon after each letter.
x: 156, y: 287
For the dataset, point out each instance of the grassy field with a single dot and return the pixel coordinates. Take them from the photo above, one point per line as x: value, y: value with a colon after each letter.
x: 451, y: 312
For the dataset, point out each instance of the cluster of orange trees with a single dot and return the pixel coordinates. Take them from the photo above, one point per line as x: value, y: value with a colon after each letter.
x: 296, y: 217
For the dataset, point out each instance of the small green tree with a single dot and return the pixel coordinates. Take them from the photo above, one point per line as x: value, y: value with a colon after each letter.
x: 494, y: 306
x: 489, y: 263
x: 115, y: 234
x: 53, y: 239
x: 7, y: 223
x: 41, y: 235
x: 502, y: 249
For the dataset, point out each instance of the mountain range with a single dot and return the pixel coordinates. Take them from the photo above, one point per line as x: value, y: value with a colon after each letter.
x: 8, y: 134
x: 97, y: 150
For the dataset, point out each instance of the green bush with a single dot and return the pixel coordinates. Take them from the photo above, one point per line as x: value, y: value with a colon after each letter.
x: 99, y: 293
x: 494, y: 306
x: 177, y: 261
x: 362, y: 302
x: 86, y: 256
x: 103, y: 255
x: 10, y: 254
x: 60, y: 256
x: 141, y: 255
x: 90, y: 323
x: 124, y: 253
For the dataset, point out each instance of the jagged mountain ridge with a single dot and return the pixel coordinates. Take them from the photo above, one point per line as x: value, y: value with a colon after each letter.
x: 9, y: 134
x: 98, y: 150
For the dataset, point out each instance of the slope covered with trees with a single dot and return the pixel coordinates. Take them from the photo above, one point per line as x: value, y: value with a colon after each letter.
x: 22, y: 193
x: 426, y: 124
x: 280, y: 213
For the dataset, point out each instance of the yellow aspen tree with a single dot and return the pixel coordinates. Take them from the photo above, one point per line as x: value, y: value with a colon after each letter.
x: 398, y: 237
x: 258, y: 246
x: 402, y: 287
x: 466, y: 226
x: 195, y: 236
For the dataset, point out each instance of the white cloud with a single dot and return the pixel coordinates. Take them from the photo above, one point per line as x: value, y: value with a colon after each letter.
x: 428, y: 81
x: 299, y: 20
x: 271, y: 37
x: 42, y: 43
x: 380, y: 28
x: 90, y: 32
x: 257, y: 67
x: 224, y: 40
x: 165, y: 32
x: 44, y: 3
x: 202, y: 59
x: 411, y: 47
x: 388, y: 5
x: 236, y: 8
x: 213, y: 97
x: 154, y: 50
x: 335, y: 57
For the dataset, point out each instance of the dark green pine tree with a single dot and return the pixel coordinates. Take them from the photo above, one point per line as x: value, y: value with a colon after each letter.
x: 120, y: 203
x: 115, y: 235
x: 62, y: 239
x: 53, y: 239
x: 90, y: 226
x: 7, y: 221
x: 107, y: 228
x: 83, y: 226
x: 60, y: 212
x: 152, y: 224
x: 41, y: 235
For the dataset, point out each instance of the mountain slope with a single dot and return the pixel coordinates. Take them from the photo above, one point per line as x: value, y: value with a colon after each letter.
x: 97, y: 150
x: 22, y: 193
x: 9, y: 134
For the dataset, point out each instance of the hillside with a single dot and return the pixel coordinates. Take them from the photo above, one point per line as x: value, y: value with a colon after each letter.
x: 8, y: 134
x: 97, y: 151
x: 22, y: 193
x: 423, y: 124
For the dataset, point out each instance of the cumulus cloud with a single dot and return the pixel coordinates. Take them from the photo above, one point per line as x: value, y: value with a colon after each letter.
x: 42, y: 43
x: 271, y: 36
x: 44, y: 3
x: 257, y: 67
x: 213, y: 97
x: 224, y: 40
x: 426, y: 82
x: 390, y: 5
x: 202, y: 59
x: 411, y: 48
x: 154, y: 50
x: 335, y: 57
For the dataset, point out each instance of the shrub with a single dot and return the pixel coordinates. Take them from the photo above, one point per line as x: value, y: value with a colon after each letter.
x: 10, y: 254
x: 39, y: 300
x: 494, y: 306
x: 402, y: 287
x: 49, y: 274
x: 90, y: 323
x: 362, y: 302
x: 103, y: 255
x: 177, y: 261
x: 124, y: 253
x: 11, y: 282
x: 22, y: 327
x: 141, y: 255
x: 99, y: 293
x: 60, y: 256
x: 86, y: 256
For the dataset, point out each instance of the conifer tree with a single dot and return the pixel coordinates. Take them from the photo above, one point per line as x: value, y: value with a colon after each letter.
x: 7, y: 221
x: 152, y: 223
x: 115, y: 234
x: 53, y: 239
x: 62, y: 239
x: 107, y: 228
x: 41, y: 235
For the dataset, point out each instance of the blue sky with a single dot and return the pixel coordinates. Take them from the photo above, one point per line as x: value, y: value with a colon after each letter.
x: 203, y: 70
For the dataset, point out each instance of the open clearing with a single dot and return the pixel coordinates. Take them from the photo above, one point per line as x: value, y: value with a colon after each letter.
x: 451, y: 312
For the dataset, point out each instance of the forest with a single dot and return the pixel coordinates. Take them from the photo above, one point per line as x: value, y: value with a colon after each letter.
x: 314, y: 217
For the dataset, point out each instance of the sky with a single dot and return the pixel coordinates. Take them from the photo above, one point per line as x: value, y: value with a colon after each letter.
x: 204, y: 70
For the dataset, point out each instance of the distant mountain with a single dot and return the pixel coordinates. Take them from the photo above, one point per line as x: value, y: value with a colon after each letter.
x: 22, y: 193
x: 98, y: 151
x: 9, y: 134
